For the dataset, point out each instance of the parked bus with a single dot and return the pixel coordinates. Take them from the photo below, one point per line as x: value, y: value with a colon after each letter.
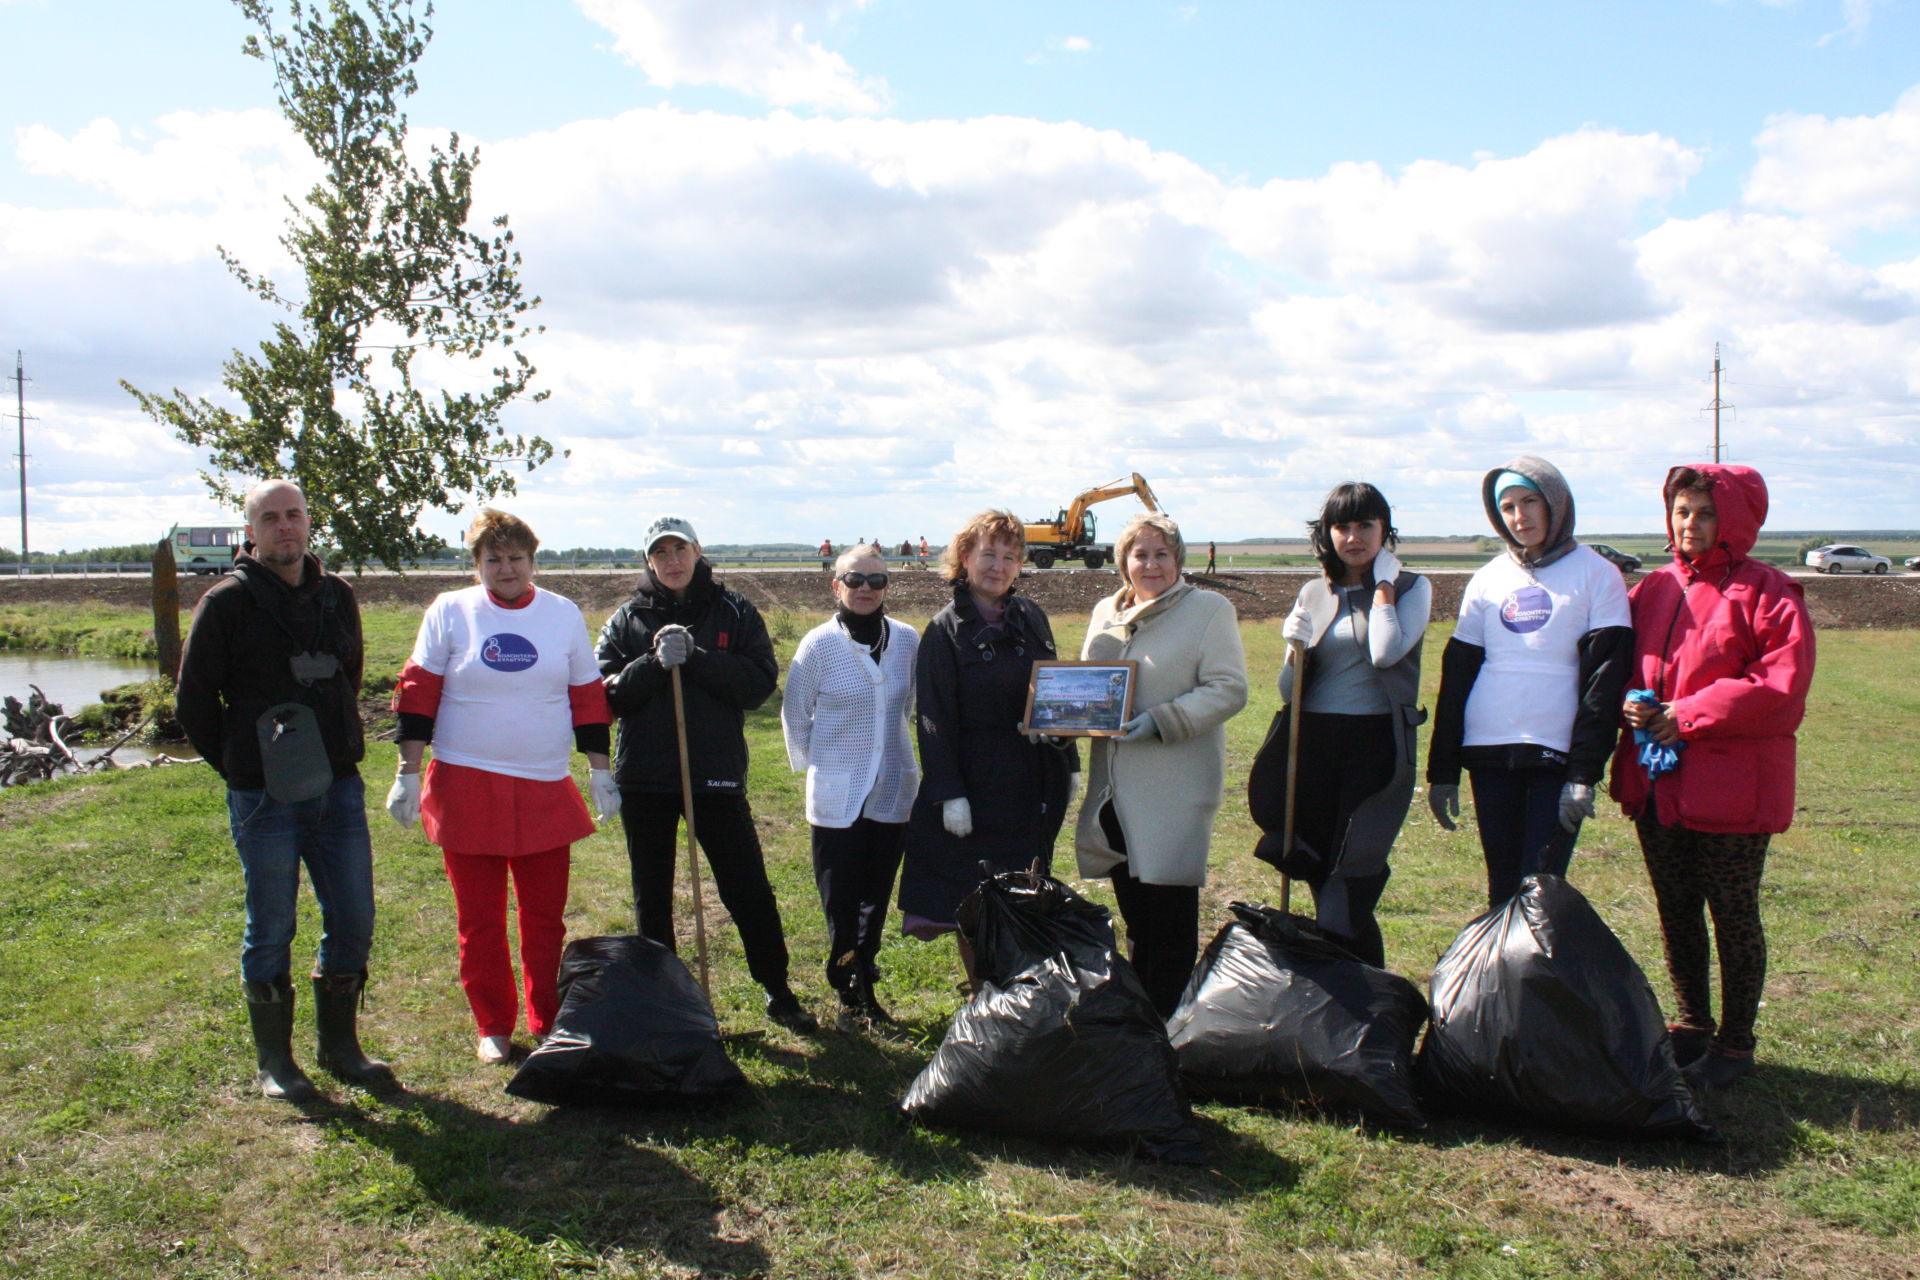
x: 206, y: 548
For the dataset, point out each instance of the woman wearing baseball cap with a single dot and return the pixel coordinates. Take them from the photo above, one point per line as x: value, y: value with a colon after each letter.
x: 682, y: 617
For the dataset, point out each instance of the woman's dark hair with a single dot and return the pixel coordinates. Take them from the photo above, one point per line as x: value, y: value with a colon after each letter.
x: 1687, y: 480
x: 1348, y: 503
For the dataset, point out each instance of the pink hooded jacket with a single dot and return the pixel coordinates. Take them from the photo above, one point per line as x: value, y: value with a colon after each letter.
x: 1728, y: 644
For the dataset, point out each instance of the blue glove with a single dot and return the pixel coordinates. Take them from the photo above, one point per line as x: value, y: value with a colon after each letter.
x: 1656, y: 757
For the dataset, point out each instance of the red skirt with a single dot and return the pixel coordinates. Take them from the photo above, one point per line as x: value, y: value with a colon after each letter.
x: 478, y: 812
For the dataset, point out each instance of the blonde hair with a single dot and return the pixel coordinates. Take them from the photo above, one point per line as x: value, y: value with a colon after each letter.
x: 989, y: 526
x: 498, y: 529
x: 1146, y: 520
x: 858, y: 551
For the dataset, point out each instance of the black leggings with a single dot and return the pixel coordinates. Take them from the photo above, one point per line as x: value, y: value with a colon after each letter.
x: 723, y: 826
x: 1344, y: 759
x: 1162, y: 922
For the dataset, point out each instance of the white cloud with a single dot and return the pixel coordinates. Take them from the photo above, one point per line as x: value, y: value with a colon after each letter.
x: 1858, y: 15
x: 756, y: 47
x: 1536, y: 242
x: 788, y: 327
x: 1854, y: 171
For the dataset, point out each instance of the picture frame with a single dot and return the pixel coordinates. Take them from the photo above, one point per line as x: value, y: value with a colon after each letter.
x: 1078, y: 699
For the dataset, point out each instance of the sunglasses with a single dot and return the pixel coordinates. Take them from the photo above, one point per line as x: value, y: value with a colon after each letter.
x: 878, y: 581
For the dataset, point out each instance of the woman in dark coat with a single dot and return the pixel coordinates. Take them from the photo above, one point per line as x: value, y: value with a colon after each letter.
x: 988, y: 793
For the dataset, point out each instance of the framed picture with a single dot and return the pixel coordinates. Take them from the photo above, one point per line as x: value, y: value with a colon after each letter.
x: 1080, y: 699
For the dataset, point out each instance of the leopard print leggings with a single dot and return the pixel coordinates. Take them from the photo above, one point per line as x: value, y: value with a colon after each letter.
x: 1694, y: 872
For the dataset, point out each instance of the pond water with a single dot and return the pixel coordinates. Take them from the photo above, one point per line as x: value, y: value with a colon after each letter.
x: 73, y: 682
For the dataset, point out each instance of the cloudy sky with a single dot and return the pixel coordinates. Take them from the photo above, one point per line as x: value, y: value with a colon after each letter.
x: 862, y: 267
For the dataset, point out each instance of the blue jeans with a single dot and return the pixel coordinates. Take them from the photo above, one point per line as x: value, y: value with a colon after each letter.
x: 1518, y: 813
x: 329, y: 834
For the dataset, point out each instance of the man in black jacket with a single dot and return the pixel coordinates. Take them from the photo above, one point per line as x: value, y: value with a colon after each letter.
x: 680, y: 618
x: 269, y: 695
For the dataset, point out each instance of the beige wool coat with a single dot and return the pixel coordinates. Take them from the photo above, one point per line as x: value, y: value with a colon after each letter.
x: 1165, y: 789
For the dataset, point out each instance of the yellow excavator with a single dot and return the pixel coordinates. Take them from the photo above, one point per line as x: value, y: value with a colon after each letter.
x: 1071, y: 533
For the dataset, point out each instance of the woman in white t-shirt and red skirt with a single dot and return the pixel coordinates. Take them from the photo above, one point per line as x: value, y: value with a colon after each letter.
x: 1531, y: 682
x: 503, y: 683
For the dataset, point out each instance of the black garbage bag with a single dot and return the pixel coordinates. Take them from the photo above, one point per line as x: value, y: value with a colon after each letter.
x: 634, y: 1029
x: 1540, y: 1015
x: 1061, y: 1041
x: 1277, y: 1011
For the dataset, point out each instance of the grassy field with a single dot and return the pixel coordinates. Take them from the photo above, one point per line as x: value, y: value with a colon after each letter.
x: 134, y: 1144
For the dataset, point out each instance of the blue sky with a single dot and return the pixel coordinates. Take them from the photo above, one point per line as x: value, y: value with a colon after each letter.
x: 829, y: 267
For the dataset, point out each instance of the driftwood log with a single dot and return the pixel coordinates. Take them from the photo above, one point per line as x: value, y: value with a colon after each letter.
x: 34, y: 747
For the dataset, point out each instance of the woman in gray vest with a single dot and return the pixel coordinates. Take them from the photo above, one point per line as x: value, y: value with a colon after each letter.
x: 1362, y: 623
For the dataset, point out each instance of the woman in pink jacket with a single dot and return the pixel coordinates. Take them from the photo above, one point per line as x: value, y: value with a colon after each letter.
x: 1723, y: 655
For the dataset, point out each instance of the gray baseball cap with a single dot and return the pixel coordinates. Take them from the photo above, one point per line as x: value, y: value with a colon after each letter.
x: 670, y: 527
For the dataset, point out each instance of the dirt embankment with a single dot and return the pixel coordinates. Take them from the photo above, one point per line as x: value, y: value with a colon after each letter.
x: 1836, y: 603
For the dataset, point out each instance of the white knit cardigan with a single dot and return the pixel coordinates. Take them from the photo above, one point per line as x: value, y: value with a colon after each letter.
x: 846, y: 719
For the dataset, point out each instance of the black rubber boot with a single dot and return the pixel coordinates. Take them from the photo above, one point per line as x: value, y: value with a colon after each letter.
x: 270, y: 1014
x: 784, y: 1008
x: 336, y: 1009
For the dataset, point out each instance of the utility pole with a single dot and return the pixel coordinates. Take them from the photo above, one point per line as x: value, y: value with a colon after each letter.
x: 1716, y: 406
x: 20, y: 391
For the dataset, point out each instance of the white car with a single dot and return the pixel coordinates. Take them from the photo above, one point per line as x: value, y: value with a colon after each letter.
x: 1913, y: 562
x: 1840, y: 557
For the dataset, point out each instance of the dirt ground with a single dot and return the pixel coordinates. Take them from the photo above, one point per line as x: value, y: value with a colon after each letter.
x: 1847, y: 603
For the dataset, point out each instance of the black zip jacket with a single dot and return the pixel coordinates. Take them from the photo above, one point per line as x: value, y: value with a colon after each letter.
x: 731, y: 672
x: 237, y: 663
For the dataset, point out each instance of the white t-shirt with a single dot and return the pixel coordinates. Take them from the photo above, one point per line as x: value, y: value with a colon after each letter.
x: 1530, y: 625
x: 504, y: 705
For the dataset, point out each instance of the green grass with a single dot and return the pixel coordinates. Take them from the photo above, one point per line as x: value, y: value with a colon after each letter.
x: 94, y: 630
x: 132, y: 1144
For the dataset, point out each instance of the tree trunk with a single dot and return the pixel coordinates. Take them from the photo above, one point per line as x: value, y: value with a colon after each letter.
x: 166, y: 609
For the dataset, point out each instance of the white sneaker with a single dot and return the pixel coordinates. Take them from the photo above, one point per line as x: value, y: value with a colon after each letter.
x: 495, y: 1050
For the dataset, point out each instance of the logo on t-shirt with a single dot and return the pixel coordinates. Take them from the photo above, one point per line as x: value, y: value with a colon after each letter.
x: 1526, y: 609
x: 508, y: 652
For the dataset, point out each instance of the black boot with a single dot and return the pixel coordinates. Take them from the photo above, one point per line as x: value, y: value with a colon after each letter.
x: 270, y: 1014
x: 784, y: 1008
x: 336, y: 1007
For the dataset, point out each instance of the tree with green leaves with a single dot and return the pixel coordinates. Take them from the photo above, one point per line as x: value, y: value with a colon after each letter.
x: 390, y: 273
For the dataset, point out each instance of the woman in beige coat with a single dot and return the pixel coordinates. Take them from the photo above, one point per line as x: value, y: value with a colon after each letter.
x: 1154, y: 791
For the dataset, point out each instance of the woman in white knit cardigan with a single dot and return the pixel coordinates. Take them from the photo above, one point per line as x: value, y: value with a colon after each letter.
x: 1153, y: 792
x: 846, y: 712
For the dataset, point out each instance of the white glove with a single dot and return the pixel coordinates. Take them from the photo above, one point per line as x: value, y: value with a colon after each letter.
x: 1444, y: 799
x: 1141, y: 726
x: 1576, y: 802
x: 1298, y: 628
x: 1036, y: 738
x: 605, y: 792
x: 1386, y: 567
x: 403, y: 799
x: 957, y: 817
x: 672, y: 645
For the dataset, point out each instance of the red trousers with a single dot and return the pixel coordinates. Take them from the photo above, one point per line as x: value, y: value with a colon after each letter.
x: 480, y: 909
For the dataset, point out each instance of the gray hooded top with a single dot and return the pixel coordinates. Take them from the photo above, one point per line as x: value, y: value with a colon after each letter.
x: 1553, y: 487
